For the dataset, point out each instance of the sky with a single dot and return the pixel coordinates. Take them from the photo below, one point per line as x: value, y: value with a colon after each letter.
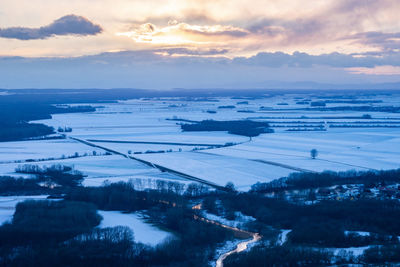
x: 162, y: 44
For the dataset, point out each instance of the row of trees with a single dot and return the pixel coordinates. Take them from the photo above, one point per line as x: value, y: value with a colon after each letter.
x: 54, y: 180
x: 57, y: 174
x: 241, y: 127
x: 14, y: 119
x: 262, y: 256
x: 44, y: 222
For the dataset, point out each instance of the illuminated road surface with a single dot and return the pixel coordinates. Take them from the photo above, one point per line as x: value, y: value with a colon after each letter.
x: 242, y: 246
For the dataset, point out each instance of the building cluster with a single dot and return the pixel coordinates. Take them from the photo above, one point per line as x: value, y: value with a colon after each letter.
x: 359, y: 191
x: 340, y: 192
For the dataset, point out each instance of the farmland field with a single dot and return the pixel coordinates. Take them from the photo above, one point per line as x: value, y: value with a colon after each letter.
x: 348, y: 132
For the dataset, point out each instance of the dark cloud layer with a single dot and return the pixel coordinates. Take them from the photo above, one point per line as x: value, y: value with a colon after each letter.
x: 151, y: 69
x: 336, y: 60
x: 67, y: 25
x: 210, y: 57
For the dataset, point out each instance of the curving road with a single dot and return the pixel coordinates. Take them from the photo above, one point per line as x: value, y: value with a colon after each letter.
x: 242, y: 246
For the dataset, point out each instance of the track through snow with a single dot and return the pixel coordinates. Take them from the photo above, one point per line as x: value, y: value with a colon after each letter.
x: 154, y: 143
x: 151, y: 164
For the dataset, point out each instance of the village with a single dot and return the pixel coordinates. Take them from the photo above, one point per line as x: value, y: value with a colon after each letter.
x: 339, y: 193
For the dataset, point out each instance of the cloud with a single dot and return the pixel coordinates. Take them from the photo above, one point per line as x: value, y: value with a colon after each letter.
x: 383, y: 41
x: 245, y: 28
x: 325, y: 28
x: 179, y: 57
x: 213, y: 30
x: 334, y: 24
x: 181, y: 51
x: 183, y: 33
x: 335, y: 60
x: 186, y: 56
x: 67, y: 25
x: 378, y: 70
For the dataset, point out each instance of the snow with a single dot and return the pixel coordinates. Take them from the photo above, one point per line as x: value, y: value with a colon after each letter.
x: 42, y: 149
x: 191, y: 138
x: 100, y: 169
x: 360, y: 233
x: 241, y: 246
x: 283, y: 236
x: 143, y: 231
x: 218, y: 169
x: 225, y: 248
x: 239, y: 221
x: 356, y: 251
x: 143, y: 148
x: 281, y: 153
x: 137, y: 120
x: 338, y: 149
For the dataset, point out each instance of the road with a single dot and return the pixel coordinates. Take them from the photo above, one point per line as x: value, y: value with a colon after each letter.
x: 242, y: 246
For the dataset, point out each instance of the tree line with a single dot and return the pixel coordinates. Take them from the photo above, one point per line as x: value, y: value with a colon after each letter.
x: 241, y: 127
x: 298, y: 181
x: 14, y: 119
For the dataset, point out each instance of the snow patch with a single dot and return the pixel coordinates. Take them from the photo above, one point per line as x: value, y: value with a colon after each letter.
x: 143, y: 231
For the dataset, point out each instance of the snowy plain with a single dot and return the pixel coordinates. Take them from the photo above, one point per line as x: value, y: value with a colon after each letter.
x: 218, y: 169
x: 261, y: 159
x: 104, y: 169
x: 338, y: 150
x: 143, y: 232
x: 42, y: 149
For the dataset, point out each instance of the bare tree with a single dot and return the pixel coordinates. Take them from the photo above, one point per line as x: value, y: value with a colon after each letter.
x: 230, y: 187
x: 314, y: 153
x: 312, y: 196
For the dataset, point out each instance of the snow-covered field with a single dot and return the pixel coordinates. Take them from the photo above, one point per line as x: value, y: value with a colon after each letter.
x: 338, y: 149
x: 218, y: 169
x: 143, y: 231
x: 42, y: 149
x: 189, y: 138
x: 262, y: 159
x: 138, y: 120
x: 143, y: 148
x: 100, y: 169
